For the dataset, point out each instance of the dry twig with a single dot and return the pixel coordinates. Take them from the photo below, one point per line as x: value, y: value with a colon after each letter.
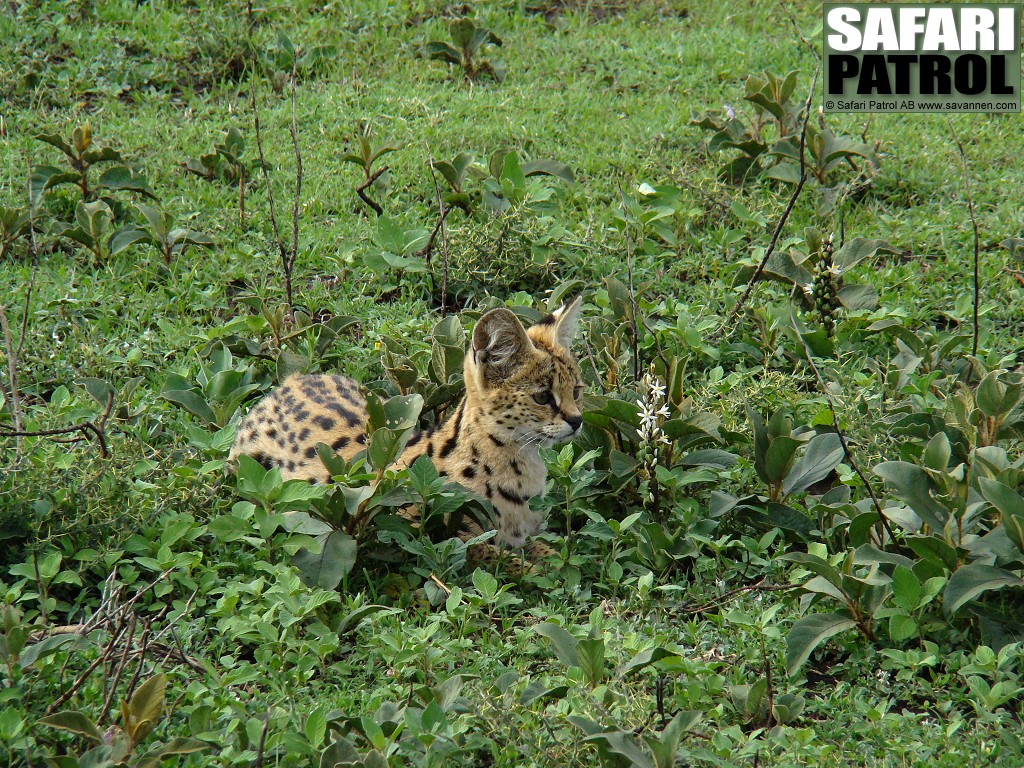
x: 741, y: 302
x: 96, y: 429
x: 361, y: 189
x: 809, y: 356
x: 974, y: 226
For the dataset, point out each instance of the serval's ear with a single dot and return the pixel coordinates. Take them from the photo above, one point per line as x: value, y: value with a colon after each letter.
x: 561, y: 326
x: 499, y: 344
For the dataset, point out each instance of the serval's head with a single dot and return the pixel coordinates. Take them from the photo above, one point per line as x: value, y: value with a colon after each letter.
x: 526, y: 384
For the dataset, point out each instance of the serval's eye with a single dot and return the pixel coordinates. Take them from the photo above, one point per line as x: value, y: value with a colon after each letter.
x: 577, y: 392
x: 544, y: 398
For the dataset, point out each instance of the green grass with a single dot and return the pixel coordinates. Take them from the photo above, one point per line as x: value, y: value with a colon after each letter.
x: 609, y: 93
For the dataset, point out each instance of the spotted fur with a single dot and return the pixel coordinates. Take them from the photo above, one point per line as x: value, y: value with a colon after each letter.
x: 523, y: 391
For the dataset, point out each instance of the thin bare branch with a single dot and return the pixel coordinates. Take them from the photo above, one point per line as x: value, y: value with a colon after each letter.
x: 809, y: 356
x: 728, y: 323
x: 361, y: 190
x: 289, y: 265
x: 95, y: 428
x: 263, y: 165
x: 427, y: 250
x: 14, y: 399
x: 974, y: 226
x: 760, y: 586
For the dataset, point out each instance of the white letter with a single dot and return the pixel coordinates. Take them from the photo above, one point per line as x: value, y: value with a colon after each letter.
x: 1007, y: 30
x: 976, y: 29
x: 880, y: 31
x: 910, y: 27
x: 940, y: 31
x: 848, y: 38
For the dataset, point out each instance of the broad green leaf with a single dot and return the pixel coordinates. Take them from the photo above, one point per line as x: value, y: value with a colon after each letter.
x: 665, y: 747
x: 548, y: 168
x: 47, y: 646
x: 913, y: 485
x: 54, y: 140
x: 822, y: 586
x: 537, y: 690
x: 76, y: 722
x: 935, y: 550
x: 901, y: 627
x: 355, y: 617
x: 591, y: 658
x: 781, y: 452
x: 437, y: 50
x: 194, y: 403
x: 906, y: 588
x: 999, y: 393
x: 155, y: 757
x: 811, y: 631
x: 858, y: 296
x: 326, y: 568
x: 971, y: 580
x: 120, y: 177
x: 859, y: 248
x: 146, y: 707
x: 937, y: 452
x: 485, y: 584
x: 562, y: 642
x: 127, y: 237
x: 316, y: 727
x: 622, y: 743
x: 824, y: 453
x: 1002, y: 497
x: 645, y: 659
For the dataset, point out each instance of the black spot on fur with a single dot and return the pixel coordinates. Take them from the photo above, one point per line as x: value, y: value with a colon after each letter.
x: 341, y: 442
x: 511, y: 496
x: 417, y: 436
x: 271, y: 433
x: 304, y: 434
x: 350, y: 418
x: 302, y: 415
x: 469, y: 473
x: 487, y: 470
x: 546, y: 320
x: 496, y: 441
x: 516, y: 468
x: 430, y: 450
x: 488, y: 490
x: 361, y: 438
x: 311, y: 452
x: 449, y: 444
x: 291, y: 466
x: 324, y: 422
x: 264, y: 460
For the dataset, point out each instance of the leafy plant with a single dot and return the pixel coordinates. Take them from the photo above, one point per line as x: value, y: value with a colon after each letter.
x: 139, y: 716
x: 366, y: 158
x: 225, y: 162
x: 769, y: 142
x: 14, y: 224
x: 819, y: 275
x: 219, y: 389
x: 158, y: 230
x: 396, y: 249
x: 455, y: 174
x: 468, y: 43
x: 93, y: 228
x: 81, y: 156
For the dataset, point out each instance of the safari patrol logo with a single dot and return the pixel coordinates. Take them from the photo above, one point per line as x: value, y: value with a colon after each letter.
x: 921, y: 57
